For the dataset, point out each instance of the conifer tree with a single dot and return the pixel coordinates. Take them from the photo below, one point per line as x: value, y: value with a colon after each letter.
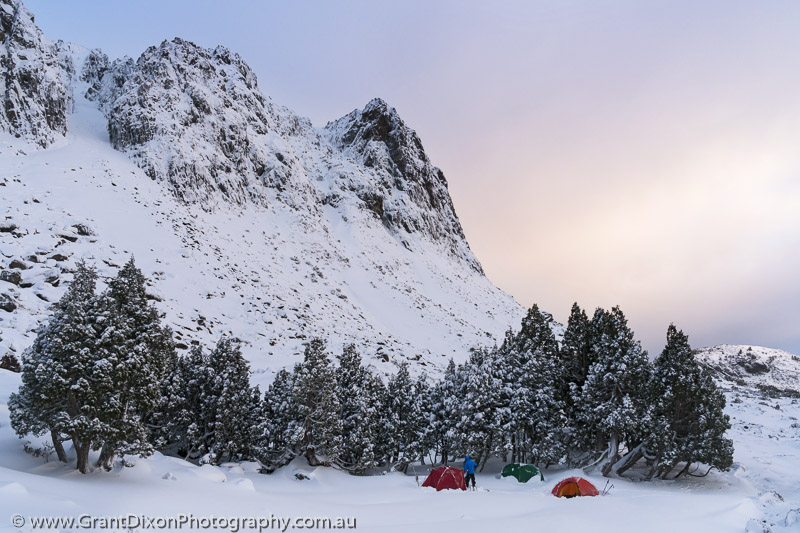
x: 537, y: 404
x: 133, y: 352
x: 576, y: 348
x: 58, y: 392
x: 481, y: 410
x: 211, y: 411
x: 402, y: 417
x: 318, y: 406
x: 361, y: 396
x: 444, y: 414
x: 420, y: 417
x: 366, y: 440
x: 689, y: 422
x: 576, y: 353
x: 614, y: 404
x: 232, y: 404
x: 279, y: 427
x: 180, y: 403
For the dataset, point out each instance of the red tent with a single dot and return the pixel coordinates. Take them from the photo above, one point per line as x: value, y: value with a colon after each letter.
x: 574, y: 486
x: 445, y: 477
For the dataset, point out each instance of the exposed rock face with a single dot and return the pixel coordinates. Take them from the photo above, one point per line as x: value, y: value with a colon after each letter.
x: 11, y: 276
x: 7, y: 303
x: 194, y: 117
x: 34, y: 82
x: 409, y: 192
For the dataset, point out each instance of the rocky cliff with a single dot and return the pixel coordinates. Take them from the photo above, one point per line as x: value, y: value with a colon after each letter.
x: 34, y: 79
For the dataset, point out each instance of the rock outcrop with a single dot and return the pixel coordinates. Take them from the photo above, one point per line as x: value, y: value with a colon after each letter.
x: 409, y: 192
x: 34, y: 82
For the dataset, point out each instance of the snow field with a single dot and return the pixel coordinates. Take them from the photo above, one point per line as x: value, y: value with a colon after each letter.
x: 165, y: 486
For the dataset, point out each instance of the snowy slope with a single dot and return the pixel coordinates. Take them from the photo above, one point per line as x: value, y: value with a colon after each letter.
x: 246, y: 219
x: 759, y: 494
x: 762, y: 386
x: 755, y: 366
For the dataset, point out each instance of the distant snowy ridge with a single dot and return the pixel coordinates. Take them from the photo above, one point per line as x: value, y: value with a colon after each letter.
x: 247, y: 220
x: 754, y: 366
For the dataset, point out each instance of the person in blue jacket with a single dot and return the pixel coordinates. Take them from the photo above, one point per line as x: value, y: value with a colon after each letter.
x: 469, y: 469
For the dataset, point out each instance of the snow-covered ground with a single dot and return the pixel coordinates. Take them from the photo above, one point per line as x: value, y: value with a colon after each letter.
x: 763, y: 485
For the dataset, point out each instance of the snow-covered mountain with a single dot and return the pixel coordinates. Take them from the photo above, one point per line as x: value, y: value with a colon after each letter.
x: 767, y: 369
x: 247, y: 218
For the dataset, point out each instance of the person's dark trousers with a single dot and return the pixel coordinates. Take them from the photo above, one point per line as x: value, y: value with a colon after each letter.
x: 470, y: 477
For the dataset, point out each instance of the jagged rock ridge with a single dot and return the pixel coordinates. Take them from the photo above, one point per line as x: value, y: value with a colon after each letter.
x: 34, y: 84
x: 379, y: 139
x: 195, y: 118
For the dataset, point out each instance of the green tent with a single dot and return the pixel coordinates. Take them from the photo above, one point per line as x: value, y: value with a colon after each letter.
x: 522, y: 472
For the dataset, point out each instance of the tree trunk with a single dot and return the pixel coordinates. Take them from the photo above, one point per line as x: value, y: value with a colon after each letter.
x: 106, y: 459
x: 656, y: 460
x: 685, y: 469
x: 613, y: 453
x: 311, y: 457
x: 630, y: 459
x: 58, y: 446
x: 82, y: 453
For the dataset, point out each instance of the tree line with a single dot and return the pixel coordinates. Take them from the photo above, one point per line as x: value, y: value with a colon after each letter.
x: 103, y: 374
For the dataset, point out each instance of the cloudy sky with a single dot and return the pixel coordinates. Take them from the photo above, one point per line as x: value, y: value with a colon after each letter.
x: 645, y: 154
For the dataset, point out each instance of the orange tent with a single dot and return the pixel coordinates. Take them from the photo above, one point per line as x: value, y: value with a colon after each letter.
x: 574, y: 486
x: 445, y: 477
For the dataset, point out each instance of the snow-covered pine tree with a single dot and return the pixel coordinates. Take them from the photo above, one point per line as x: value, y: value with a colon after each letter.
x: 187, y: 426
x: 481, y: 421
x: 576, y: 354
x: 420, y: 418
x: 445, y: 412
x: 576, y: 347
x: 350, y: 377
x: 58, y: 392
x: 402, y: 418
x: 360, y: 399
x: 366, y: 440
x: 133, y: 352
x: 506, y: 364
x: 382, y: 420
x: 211, y: 410
x: 279, y: 428
x: 318, y: 406
x: 614, y: 406
x: 688, y: 412
x: 537, y: 405
x: 231, y: 405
